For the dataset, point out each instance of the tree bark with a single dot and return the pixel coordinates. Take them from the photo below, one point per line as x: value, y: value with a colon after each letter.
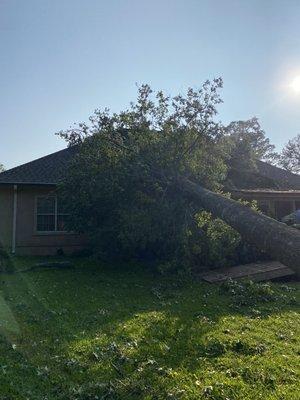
x: 278, y: 240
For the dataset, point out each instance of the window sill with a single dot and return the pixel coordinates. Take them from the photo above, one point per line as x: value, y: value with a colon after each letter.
x: 54, y: 233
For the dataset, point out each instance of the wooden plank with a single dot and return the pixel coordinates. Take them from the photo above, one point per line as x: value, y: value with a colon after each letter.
x: 255, y: 271
x: 266, y: 276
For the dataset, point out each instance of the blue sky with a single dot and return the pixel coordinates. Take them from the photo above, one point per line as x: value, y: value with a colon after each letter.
x: 61, y: 59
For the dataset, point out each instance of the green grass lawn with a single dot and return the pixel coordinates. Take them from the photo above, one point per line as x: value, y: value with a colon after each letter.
x: 97, y: 332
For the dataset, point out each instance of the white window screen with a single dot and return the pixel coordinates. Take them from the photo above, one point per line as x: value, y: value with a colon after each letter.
x: 50, y: 215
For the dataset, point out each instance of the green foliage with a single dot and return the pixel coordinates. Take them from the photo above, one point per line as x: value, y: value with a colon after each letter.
x: 216, y: 243
x: 290, y: 155
x: 209, y: 243
x: 6, y: 264
x: 249, y: 143
x: 248, y: 293
x: 114, y: 332
x: 122, y: 188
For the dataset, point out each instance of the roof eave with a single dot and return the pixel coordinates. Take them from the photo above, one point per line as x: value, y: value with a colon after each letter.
x: 29, y: 183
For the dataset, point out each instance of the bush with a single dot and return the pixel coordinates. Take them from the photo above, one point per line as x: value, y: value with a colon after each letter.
x: 6, y: 264
x: 216, y: 242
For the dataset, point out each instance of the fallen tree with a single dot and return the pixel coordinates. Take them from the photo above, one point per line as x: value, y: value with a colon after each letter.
x: 276, y: 239
x: 122, y: 188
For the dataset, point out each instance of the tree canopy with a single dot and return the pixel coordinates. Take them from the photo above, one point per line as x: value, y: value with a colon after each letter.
x: 121, y: 189
x: 249, y: 143
x: 290, y: 155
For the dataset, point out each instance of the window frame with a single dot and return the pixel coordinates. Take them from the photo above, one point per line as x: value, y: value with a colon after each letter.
x: 56, y: 214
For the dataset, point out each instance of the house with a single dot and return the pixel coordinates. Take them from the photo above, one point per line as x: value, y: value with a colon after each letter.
x: 276, y: 190
x: 33, y: 220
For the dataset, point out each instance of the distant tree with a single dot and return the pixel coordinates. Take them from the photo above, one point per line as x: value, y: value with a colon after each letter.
x: 249, y: 143
x: 1, y: 167
x: 290, y: 155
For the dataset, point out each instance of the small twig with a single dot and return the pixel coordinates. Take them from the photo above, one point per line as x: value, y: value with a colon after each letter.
x: 117, y: 369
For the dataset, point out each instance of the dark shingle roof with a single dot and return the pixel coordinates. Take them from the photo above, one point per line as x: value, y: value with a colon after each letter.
x: 50, y: 170
x: 44, y: 171
x: 265, y: 176
x: 283, y: 178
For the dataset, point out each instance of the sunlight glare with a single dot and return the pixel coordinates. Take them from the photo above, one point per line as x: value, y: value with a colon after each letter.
x: 295, y: 84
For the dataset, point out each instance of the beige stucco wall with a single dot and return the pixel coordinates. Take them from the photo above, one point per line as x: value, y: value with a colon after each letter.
x: 28, y: 241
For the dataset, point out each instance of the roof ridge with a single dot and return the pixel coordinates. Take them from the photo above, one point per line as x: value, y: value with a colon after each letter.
x: 279, y: 168
x: 33, y: 161
x: 46, y: 170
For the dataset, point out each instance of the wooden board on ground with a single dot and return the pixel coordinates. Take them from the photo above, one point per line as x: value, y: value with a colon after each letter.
x: 261, y: 271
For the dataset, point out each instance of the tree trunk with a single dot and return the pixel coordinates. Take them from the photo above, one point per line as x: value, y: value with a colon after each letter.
x: 278, y: 240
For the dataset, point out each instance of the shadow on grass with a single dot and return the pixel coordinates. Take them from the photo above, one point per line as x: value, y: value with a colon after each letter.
x: 122, y: 332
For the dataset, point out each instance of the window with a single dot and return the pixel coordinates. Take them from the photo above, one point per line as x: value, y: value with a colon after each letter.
x: 50, y: 215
